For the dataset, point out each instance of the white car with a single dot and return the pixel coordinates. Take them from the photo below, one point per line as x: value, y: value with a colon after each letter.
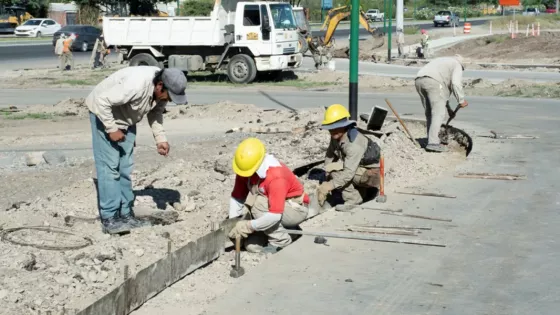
x: 37, y: 28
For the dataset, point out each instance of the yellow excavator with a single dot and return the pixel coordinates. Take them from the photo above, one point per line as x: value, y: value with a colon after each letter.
x: 13, y: 17
x: 322, y: 48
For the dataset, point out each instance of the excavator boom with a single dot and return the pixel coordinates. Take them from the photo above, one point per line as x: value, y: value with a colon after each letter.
x: 323, y: 47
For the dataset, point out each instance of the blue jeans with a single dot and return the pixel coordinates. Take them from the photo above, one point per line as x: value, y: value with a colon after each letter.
x: 113, y: 163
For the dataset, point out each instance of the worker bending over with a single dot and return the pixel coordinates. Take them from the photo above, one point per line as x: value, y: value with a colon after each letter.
x: 352, y: 159
x: 272, y: 195
x: 435, y: 82
x: 116, y: 105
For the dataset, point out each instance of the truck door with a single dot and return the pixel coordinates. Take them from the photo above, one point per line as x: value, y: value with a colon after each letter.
x: 253, y: 29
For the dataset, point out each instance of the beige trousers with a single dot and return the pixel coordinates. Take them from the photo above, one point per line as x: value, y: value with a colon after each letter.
x: 294, y: 214
x: 433, y: 99
x: 360, y: 189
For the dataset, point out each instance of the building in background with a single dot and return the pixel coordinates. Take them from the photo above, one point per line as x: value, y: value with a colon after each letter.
x: 64, y: 13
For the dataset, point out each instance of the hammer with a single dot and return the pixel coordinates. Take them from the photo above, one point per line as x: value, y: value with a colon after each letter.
x: 237, y: 270
x: 382, y: 197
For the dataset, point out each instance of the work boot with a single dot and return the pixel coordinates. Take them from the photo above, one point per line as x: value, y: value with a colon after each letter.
x: 133, y: 222
x: 114, y: 226
x: 436, y: 148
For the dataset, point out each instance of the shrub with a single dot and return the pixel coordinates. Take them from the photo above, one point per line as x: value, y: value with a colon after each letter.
x: 196, y: 8
x: 410, y: 30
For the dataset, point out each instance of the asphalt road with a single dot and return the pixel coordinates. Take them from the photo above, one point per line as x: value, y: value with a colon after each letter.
x: 33, y: 56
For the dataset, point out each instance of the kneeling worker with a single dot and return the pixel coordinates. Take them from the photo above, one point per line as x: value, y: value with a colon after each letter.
x: 352, y: 159
x: 272, y: 194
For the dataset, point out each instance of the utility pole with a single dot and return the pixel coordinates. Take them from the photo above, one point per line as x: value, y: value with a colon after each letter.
x: 385, y: 16
x: 390, y: 30
x: 400, y: 15
x: 465, y: 11
x: 354, y: 54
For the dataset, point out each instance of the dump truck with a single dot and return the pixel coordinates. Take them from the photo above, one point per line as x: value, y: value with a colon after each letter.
x: 243, y: 38
x: 12, y: 17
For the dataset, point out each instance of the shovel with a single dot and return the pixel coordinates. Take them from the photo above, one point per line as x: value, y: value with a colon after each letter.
x: 452, y: 113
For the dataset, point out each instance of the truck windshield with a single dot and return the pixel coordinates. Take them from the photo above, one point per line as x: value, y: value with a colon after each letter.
x: 301, y: 20
x: 282, y: 16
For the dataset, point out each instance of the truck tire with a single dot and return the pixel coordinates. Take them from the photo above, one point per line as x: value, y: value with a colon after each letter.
x: 241, y: 69
x: 144, y: 59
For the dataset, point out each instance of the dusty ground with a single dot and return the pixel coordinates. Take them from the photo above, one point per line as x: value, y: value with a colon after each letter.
x: 541, y: 49
x: 198, y: 174
x: 324, y: 79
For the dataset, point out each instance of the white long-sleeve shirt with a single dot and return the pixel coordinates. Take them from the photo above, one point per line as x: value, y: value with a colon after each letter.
x: 125, y: 97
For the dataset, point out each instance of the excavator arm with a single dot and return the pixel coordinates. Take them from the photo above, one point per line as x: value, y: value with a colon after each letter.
x: 334, y: 16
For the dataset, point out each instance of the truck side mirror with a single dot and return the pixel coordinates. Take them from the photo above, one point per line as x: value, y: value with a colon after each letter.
x: 266, y: 24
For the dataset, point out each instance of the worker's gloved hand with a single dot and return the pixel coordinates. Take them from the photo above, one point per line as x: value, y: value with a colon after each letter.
x: 323, y: 191
x: 241, y: 229
x: 464, y: 104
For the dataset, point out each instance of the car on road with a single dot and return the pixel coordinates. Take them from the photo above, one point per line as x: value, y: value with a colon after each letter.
x: 85, y: 36
x: 531, y: 11
x: 444, y: 18
x: 37, y: 28
x: 374, y: 15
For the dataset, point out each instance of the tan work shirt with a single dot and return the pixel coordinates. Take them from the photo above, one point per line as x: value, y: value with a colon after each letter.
x: 448, y: 71
x: 123, y: 98
x: 350, y: 153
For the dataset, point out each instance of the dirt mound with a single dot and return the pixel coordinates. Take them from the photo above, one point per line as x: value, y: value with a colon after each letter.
x: 501, y: 48
x: 198, y: 175
x: 369, y: 49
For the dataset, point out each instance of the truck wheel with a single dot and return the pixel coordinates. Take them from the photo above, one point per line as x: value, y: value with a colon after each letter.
x: 241, y: 69
x: 144, y: 59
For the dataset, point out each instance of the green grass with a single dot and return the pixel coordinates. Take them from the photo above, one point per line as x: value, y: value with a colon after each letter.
x: 18, y: 116
x: 546, y: 21
x: 410, y: 30
x: 77, y: 82
x: 16, y: 39
x: 533, y: 91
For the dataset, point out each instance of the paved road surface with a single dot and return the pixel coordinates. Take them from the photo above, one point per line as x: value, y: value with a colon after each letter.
x: 15, y: 57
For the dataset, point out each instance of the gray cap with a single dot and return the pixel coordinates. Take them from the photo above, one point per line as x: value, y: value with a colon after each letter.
x: 175, y: 82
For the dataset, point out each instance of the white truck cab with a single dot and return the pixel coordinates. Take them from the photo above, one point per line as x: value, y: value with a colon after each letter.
x: 245, y: 38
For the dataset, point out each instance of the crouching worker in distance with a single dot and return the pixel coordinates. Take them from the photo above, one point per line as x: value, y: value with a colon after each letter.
x: 269, y: 197
x: 351, y: 162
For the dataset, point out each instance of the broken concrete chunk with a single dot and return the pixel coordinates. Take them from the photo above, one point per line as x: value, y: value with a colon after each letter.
x: 34, y: 158
x: 54, y: 157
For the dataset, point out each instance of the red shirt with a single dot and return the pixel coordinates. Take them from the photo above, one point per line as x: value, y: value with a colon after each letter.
x: 278, y: 185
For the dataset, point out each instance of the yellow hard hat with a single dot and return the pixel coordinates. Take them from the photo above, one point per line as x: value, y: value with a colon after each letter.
x: 334, y: 113
x: 248, y: 157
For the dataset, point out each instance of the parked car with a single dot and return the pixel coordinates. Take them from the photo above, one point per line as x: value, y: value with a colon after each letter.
x: 37, y: 28
x: 446, y: 18
x: 550, y: 10
x: 85, y: 36
x: 531, y: 11
x: 374, y: 15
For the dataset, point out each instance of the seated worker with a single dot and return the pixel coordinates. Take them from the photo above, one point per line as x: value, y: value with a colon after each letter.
x: 351, y: 162
x: 272, y: 195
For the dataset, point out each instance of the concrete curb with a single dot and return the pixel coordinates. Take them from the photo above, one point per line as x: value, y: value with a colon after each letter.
x: 148, y: 282
x: 25, y: 43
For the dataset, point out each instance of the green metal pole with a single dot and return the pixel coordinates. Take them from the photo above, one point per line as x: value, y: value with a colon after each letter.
x: 390, y: 30
x: 354, y: 54
x: 385, y: 16
x: 414, y: 14
x: 178, y: 13
x: 465, y: 11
